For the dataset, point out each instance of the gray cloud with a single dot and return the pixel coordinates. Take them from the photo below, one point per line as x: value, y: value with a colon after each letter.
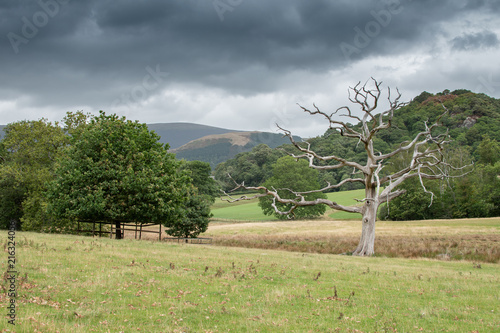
x: 59, y: 54
x: 479, y: 40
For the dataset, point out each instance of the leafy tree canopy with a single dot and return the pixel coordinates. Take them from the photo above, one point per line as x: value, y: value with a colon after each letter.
x: 117, y: 170
x: 200, y: 173
x: 290, y: 174
x: 196, y: 210
x: 27, y: 155
x: 195, y: 218
x: 253, y: 168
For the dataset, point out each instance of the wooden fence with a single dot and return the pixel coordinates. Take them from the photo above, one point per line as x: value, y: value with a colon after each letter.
x: 137, y: 227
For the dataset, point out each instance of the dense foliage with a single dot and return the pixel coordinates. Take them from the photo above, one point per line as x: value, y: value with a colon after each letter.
x: 116, y: 170
x: 476, y: 194
x: 253, y: 168
x: 200, y: 173
x: 196, y: 210
x: 27, y: 155
x: 292, y: 175
x: 473, y: 121
x: 194, y: 219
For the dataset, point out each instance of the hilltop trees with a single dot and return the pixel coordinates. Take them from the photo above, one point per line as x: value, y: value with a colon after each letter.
x: 473, y: 121
x: 425, y: 160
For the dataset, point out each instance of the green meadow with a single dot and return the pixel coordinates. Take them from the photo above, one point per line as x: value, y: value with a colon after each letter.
x: 250, y: 211
x: 83, y: 284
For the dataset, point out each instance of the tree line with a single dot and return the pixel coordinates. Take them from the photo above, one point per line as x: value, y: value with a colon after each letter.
x: 98, y: 168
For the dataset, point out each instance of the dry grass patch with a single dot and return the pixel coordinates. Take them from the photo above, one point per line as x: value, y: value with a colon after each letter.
x: 466, y: 239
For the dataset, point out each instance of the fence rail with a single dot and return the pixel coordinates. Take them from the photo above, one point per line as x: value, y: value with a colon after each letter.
x: 199, y: 240
x: 137, y: 227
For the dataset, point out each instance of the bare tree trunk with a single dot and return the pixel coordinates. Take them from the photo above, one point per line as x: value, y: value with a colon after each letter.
x: 366, y: 246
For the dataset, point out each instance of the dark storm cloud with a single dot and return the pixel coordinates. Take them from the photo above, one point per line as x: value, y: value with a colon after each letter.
x: 189, y: 35
x: 69, y: 52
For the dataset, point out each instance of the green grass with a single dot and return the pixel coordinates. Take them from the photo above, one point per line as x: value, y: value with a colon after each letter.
x: 80, y: 284
x: 249, y: 210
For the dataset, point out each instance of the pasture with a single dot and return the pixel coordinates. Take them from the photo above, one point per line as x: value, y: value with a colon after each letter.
x: 83, y: 284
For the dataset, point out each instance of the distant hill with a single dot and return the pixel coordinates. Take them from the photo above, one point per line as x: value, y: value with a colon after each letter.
x: 218, y: 148
x: 178, y: 134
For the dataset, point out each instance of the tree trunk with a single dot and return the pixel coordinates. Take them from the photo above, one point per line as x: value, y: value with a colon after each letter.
x: 118, y: 230
x: 366, y: 246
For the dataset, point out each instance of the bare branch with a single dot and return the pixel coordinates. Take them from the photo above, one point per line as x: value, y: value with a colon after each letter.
x: 299, y: 202
x: 334, y: 186
x: 415, y: 142
x: 311, y: 155
x: 345, y: 130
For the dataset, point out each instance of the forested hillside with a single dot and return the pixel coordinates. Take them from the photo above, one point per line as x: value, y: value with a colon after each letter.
x: 473, y: 123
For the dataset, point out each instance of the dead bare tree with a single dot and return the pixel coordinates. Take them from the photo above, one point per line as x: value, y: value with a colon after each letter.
x: 426, y: 150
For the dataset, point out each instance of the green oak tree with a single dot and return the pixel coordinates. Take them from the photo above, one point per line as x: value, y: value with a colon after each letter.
x: 116, y: 170
x: 194, y: 219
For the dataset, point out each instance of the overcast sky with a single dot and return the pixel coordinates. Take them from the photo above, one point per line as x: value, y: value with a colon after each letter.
x: 239, y: 64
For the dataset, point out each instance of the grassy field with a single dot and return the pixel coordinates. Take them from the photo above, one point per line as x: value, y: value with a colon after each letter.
x: 250, y: 211
x: 80, y: 284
